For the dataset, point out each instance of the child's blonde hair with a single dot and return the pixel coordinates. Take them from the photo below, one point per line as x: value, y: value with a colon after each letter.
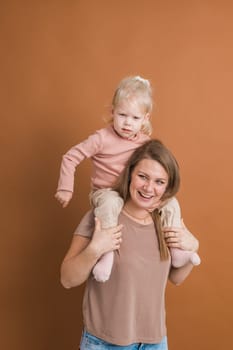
x: 139, y: 88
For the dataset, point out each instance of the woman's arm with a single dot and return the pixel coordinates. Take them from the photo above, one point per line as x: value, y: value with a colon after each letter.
x: 178, y: 275
x: 84, y: 253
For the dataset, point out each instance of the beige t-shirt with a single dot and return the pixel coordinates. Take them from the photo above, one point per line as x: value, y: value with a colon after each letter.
x: 130, y: 306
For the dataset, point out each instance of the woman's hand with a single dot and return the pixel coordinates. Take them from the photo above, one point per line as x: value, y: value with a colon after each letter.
x: 84, y: 253
x: 180, y: 237
x: 105, y: 240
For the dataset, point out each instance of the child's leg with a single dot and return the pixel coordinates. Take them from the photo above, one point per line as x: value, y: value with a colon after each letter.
x: 171, y: 216
x: 108, y: 205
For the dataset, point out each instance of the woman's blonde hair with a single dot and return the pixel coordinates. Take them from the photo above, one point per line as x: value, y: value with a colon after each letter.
x: 154, y: 150
x: 140, y: 89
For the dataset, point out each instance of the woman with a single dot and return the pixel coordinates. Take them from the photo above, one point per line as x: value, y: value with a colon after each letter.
x: 128, y: 311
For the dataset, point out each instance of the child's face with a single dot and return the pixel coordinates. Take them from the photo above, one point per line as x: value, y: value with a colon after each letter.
x: 128, y: 118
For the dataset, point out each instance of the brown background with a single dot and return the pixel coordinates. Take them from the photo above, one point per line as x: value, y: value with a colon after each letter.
x: 60, y: 63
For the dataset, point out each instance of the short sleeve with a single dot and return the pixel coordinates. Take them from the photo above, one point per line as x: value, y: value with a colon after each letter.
x: 86, y: 226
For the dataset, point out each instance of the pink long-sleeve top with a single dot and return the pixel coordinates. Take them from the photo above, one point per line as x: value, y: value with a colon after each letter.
x: 108, y: 152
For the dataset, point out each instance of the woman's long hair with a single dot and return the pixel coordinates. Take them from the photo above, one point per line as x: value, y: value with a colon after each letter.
x: 154, y: 150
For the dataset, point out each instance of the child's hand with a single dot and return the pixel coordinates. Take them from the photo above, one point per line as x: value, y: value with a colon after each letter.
x: 63, y: 197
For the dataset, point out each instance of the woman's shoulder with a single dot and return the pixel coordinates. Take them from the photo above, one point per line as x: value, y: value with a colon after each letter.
x: 86, y: 226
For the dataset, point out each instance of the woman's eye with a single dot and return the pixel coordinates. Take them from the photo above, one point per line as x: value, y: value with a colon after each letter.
x: 159, y: 182
x: 142, y: 176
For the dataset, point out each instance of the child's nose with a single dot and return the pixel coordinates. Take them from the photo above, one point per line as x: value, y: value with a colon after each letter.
x: 127, y: 121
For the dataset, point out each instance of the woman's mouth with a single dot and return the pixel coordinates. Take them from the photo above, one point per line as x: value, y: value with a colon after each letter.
x: 145, y: 196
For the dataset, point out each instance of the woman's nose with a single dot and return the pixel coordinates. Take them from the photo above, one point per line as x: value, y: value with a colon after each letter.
x: 148, y: 186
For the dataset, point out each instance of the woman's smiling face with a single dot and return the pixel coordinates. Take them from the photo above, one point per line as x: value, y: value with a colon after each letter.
x: 149, y: 181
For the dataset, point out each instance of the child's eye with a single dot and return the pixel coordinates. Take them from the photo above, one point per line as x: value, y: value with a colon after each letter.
x: 136, y: 118
x: 122, y: 114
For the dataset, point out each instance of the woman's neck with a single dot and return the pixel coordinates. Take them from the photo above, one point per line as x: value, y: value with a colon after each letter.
x: 137, y: 214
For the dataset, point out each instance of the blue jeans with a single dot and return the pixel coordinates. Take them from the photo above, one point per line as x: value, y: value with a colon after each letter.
x: 90, y: 342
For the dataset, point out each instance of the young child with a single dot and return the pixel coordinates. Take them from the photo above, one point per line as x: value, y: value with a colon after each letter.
x: 109, y: 149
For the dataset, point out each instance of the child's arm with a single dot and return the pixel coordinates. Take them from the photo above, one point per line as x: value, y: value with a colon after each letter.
x: 70, y: 161
x: 63, y: 197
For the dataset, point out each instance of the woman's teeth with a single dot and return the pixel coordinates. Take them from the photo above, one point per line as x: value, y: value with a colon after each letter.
x: 145, y: 195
